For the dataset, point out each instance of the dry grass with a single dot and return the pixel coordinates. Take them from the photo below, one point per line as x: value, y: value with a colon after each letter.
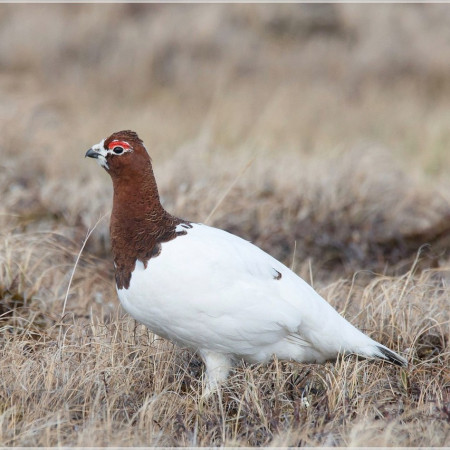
x: 332, y: 132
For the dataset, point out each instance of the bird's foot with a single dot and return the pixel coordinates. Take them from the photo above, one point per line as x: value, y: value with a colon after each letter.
x: 218, y: 366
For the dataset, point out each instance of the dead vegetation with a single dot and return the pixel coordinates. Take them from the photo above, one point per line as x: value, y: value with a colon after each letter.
x: 317, y: 134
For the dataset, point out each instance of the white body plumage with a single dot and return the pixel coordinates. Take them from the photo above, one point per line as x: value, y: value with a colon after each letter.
x: 222, y: 296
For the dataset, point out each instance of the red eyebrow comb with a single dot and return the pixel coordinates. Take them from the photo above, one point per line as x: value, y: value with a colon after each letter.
x: 123, y: 144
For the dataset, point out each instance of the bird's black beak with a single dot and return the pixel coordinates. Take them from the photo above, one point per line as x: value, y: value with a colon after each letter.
x: 91, y: 153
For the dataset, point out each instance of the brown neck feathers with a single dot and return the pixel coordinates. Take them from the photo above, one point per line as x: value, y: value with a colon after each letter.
x: 139, y: 223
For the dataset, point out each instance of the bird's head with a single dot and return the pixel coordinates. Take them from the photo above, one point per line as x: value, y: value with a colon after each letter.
x: 120, y: 153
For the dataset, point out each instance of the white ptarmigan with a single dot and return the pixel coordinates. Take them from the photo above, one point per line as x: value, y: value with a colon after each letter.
x: 209, y: 290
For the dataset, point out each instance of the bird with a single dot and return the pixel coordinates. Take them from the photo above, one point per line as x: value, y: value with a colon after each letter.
x: 209, y: 290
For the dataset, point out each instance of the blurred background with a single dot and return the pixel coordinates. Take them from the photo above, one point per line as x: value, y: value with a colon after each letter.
x: 327, y: 125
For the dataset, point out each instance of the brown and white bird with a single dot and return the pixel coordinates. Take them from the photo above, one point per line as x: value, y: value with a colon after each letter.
x: 209, y: 290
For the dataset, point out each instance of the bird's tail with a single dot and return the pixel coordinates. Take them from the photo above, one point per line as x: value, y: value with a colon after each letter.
x: 379, y: 351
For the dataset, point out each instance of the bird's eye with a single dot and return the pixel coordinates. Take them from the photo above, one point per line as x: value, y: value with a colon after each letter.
x: 118, y: 150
